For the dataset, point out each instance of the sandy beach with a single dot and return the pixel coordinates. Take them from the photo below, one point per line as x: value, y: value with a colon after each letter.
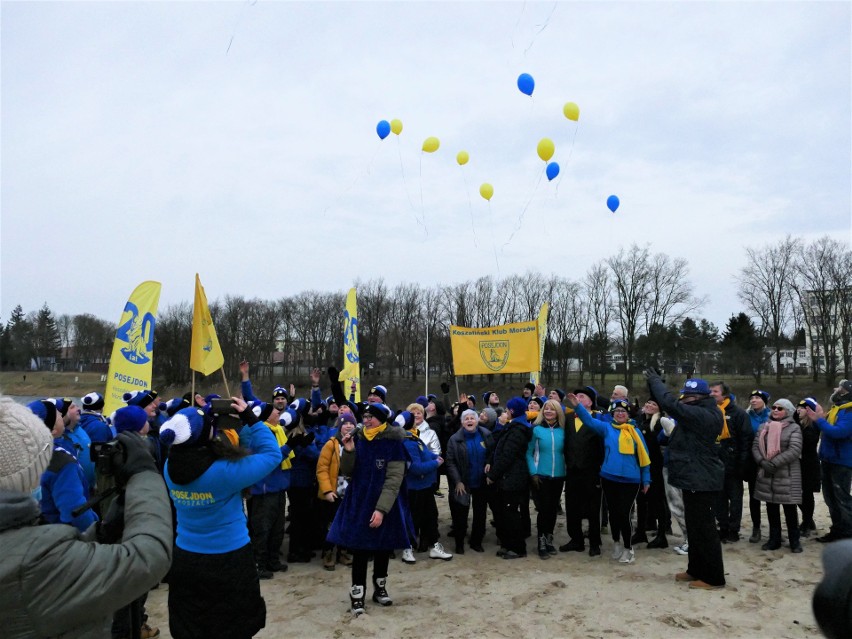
x: 569, y: 595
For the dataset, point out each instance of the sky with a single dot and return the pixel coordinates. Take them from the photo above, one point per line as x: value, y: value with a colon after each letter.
x: 156, y: 140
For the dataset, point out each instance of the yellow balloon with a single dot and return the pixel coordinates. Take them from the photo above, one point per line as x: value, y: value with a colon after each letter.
x: 462, y: 158
x: 486, y: 191
x: 571, y: 111
x: 396, y: 126
x: 430, y: 145
x: 545, y: 149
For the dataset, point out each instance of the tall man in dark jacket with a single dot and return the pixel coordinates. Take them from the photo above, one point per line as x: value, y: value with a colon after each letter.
x: 510, y: 472
x: 695, y: 467
x: 734, y: 450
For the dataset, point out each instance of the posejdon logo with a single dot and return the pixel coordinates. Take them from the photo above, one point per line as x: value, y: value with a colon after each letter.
x: 138, y: 333
x: 495, y: 353
x: 350, y: 337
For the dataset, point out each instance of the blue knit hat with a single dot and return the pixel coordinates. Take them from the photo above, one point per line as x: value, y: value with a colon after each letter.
x: 619, y: 403
x: 45, y: 411
x: 809, y: 402
x: 695, y: 386
x: 377, y: 410
x: 516, y: 406
x: 404, y: 420
x: 185, y: 427
x: 422, y: 400
x: 93, y: 401
x: 139, y: 398
x: 174, y: 405
x: 280, y: 391
x: 760, y: 393
x: 132, y: 418
x: 379, y: 390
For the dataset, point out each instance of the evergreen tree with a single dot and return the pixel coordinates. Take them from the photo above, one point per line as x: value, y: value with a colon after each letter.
x: 46, y: 341
x: 742, y: 347
x: 20, y: 332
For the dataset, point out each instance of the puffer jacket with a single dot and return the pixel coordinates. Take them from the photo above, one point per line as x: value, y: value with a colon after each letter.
x: 54, y: 584
x: 783, y: 484
x: 328, y: 466
x: 693, y: 452
x: 509, y: 469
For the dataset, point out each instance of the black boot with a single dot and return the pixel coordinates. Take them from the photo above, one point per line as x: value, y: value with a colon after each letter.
x: 542, y: 547
x: 774, y: 542
x: 794, y: 534
x: 548, y: 543
x: 639, y: 537
x: 356, y: 598
x: 659, y: 541
x: 380, y: 593
x: 755, y: 535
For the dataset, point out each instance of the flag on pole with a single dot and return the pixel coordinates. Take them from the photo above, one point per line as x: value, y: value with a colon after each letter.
x: 205, y: 355
x: 132, y: 359
x: 542, y: 337
x: 510, y: 348
x: 351, y: 371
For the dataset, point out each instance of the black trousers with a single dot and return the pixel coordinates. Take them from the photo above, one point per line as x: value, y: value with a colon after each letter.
x: 460, y: 512
x: 705, y: 547
x: 583, y: 501
x: 302, y: 518
x: 360, y: 559
x: 791, y: 516
x: 753, y: 504
x: 424, y: 516
x: 619, y: 499
x: 547, y: 497
x: 729, y: 504
x: 511, y: 524
x: 807, y: 506
x: 215, y: 595
x: 267, y: 526
x: 327, y: 509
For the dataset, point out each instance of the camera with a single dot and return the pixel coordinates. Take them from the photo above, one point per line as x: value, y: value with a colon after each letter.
x: 108, y: 457
x: 225, y: 414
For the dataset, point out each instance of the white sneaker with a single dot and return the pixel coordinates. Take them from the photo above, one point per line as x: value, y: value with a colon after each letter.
x: 683, y: 549
x: 438, y: 552
x: 408, y: 556
x: 617, y: 549
x: 627, y: 556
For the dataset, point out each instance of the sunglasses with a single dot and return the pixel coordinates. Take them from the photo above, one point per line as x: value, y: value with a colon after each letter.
x: 778, y: 408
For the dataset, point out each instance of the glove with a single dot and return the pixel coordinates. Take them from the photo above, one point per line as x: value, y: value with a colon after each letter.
x: 296, y: 440
x: 668, y: 425
x: 137, y: 458
x: 333, y: 374
x: 308, y: 439
x: 445, y: 388
x: 768, y: 467
x: 650, y: 373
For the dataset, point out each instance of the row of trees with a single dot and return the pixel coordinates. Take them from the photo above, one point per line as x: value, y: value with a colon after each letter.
x: 637, y: 304
x: 793, y: 287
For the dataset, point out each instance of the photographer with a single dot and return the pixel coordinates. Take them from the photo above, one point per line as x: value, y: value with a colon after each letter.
x: 53, y: 582
x: 213, y: 585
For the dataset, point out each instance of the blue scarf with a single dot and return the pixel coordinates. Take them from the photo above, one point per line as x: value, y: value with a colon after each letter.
x: 475, y: 457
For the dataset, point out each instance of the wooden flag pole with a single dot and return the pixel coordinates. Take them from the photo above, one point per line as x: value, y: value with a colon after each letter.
x: 225, y: 379
x: 192, y: 400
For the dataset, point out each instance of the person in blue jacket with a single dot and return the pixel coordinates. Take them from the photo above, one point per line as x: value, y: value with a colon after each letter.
x: 92, y: 419
x: 546, y: 462
x: 758, y: 413
x: 75, y: 439
x: 626, y: 469
x: 63, y: 485
x: 213, y: 585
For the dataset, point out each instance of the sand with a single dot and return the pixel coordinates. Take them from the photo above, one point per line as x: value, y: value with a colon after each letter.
x: 569, y: 595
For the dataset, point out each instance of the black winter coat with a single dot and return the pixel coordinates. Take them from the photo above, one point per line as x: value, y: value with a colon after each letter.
x: 457, y: 461
x: 509, y: 469
x: 694, y: 462
x: 584, y: 449
x: 735, y: 451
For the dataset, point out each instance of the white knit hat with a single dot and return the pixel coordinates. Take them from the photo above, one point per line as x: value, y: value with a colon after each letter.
x: 26, y: 446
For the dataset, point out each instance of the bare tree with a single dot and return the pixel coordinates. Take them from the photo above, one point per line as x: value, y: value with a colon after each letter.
x: 764, y: 288
x: 630, y: 273
x: 596, y: 288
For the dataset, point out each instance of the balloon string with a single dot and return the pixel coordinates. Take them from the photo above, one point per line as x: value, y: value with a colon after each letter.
x: 520, y: 15
x: 521, y: 216
x: 470, y: 208
x: 404, y: 183
x: 247, y: 3
x: 422, y: 209
x: 493, y: 243
x: 543, y: 27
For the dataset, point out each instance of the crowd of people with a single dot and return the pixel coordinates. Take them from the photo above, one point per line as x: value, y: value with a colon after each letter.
x: 351, y: 483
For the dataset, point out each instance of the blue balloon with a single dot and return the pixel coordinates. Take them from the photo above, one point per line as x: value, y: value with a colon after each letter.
x: 383, y: 129
x: 612, y: 202
x: 552, y: 170
x: 526, y: 84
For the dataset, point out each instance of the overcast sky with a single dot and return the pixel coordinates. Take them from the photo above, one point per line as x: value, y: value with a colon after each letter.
x: 238, y: 140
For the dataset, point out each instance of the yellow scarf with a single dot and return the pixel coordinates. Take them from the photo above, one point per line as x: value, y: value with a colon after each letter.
x: 725, y: 433
x: 831, y: 418
x: 629, y: 442
x: 578, y: 424
x: 414, y: 432
x: 370, y: 433
x: 281, y: 438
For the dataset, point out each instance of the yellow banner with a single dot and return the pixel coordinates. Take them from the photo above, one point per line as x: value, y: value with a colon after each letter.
x: 510, y: 348
x: 542, y: 336
x: 133, y: 350
x: 351, y: 359
x: 205, y: 353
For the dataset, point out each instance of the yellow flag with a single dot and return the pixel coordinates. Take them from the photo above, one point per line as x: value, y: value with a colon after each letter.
x: 351, y: 359
x: 542, y: 336
x: 510, y: 348
x: 205, y: 355
x: 131, y: 362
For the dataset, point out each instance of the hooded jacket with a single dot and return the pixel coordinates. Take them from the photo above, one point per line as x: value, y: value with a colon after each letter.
x: 509, y: 469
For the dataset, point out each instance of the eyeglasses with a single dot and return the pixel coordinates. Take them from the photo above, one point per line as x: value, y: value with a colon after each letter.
x: 366, y: 415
